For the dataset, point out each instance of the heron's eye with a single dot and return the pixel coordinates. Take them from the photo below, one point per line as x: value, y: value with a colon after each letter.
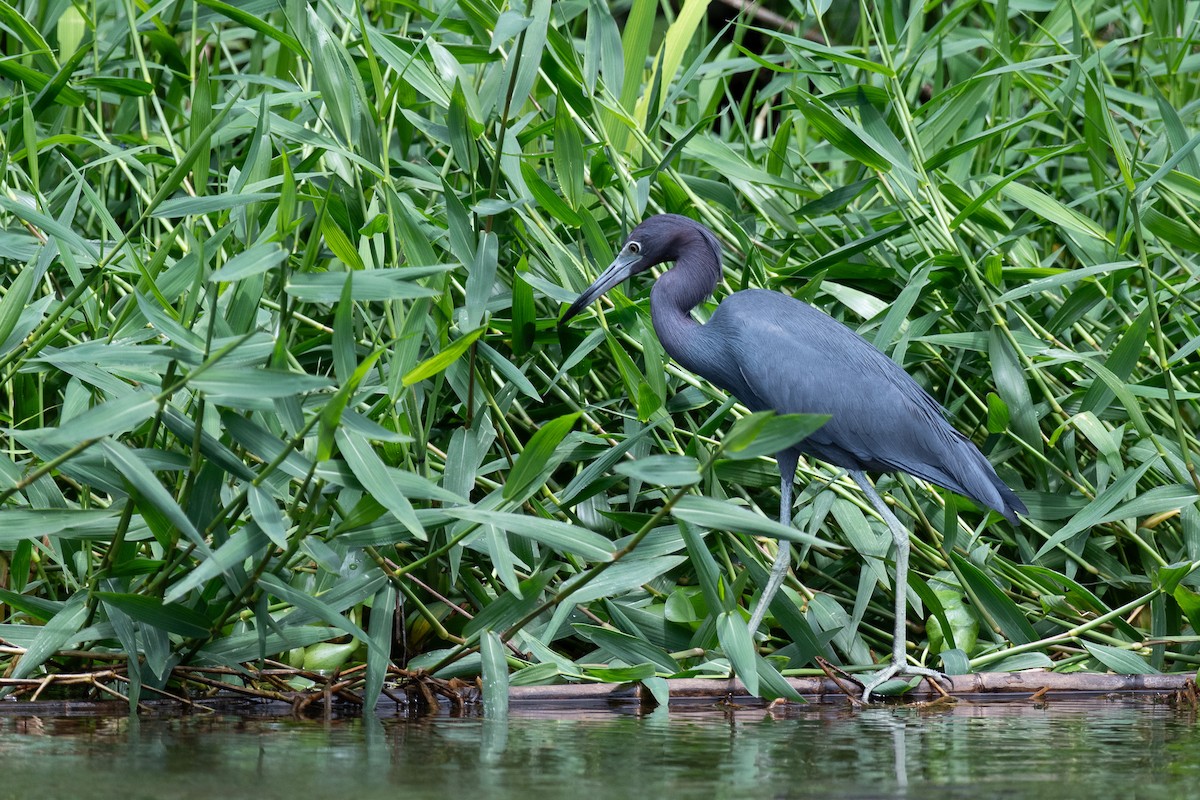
x: 634, y: 247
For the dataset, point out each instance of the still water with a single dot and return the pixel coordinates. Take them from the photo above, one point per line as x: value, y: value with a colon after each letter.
x: 1127, y: 749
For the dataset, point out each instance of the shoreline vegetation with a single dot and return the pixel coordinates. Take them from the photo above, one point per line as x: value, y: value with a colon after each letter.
x: 282, y: 385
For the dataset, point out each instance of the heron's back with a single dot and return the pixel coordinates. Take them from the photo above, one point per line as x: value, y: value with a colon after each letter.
x: 778, y: 353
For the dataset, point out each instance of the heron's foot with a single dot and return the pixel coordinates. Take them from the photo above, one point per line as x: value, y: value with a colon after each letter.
x: 896, y: 669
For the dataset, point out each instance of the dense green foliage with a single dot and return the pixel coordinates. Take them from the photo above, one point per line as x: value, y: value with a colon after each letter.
x: 282, y: 375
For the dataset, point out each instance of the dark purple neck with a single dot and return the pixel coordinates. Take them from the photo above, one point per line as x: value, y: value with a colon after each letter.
x: 683, y: 287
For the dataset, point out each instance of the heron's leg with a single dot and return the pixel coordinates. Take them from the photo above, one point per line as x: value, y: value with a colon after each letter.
x: 787, y: 475
x: 899, y: 663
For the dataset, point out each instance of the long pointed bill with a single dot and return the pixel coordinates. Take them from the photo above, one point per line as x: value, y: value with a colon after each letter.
x: 617, y: 271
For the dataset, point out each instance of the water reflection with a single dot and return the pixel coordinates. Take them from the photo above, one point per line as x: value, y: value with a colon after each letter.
x: 969, y: 751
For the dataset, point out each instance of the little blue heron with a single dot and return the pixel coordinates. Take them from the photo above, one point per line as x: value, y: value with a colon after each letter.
x: 776, y: 353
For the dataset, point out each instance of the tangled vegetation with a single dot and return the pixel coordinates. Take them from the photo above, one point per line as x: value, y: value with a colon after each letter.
x: 282, y: 378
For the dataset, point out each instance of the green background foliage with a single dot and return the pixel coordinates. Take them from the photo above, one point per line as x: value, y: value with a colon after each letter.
x: 282, y: 377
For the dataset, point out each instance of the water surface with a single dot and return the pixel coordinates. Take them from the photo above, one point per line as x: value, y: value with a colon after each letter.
x: 1127, y: 749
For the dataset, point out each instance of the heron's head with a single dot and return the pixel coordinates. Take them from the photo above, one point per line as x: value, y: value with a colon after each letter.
x: 659, y: 239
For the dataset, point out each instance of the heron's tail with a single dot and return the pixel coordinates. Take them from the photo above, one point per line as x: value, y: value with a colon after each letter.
x: 978, y: 481
x: 969, y: 473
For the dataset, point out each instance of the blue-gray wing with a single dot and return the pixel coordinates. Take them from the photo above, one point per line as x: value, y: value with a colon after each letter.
x: 787, y: 356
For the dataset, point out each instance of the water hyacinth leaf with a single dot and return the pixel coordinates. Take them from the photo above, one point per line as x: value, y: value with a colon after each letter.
x: 662, y: 470
x: 528, y: 471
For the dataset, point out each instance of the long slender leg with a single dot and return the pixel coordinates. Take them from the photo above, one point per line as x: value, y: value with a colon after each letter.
x: 787, y: 476
x: 899, y: 663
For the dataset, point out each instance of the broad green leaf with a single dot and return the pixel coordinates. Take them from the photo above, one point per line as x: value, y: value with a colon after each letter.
x: 530, y: 465
x: 171, y: 617
x: 739, y: 648
x: 550, y: 532
x: 23, y: 524
x: 633, y: 674
x: 842, y: 133
x: 662, y: 470
x: 995, y: 602
x: 766, y: 433
x: 495, y: 676
x: 374, y: 475
x: 52, y: 637
x: 370, y: 286
x: 1096, y: 510
x: 629, y: 649
x: 139, y: 476
x: 509, y: 607
x: 246, y: 382
x: 1120, y: 661
x: 710, y: 513
x: 178, y: 207
x: 317, y: 607
x: 434, y: 365
x: 256, y: 260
